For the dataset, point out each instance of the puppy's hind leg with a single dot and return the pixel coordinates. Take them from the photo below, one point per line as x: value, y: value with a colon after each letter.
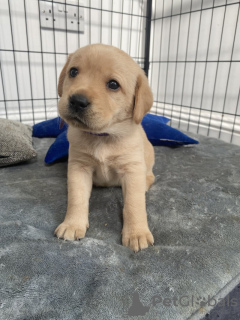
x: 149, y: 180
x: 149, y: 160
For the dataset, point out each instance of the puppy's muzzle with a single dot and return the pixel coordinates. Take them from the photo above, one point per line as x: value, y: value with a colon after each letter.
x: 78, y: 103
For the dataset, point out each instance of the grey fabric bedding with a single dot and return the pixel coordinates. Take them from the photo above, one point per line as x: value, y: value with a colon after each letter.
x: 194, y: 214
x: 15, y: 142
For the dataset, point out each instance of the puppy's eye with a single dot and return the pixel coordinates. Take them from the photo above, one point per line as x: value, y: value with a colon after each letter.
x: 73, y: 72
x: 113, y: 85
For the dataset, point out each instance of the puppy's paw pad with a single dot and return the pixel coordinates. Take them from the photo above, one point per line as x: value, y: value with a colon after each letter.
x: 138, y: 240
x: 70, y: 232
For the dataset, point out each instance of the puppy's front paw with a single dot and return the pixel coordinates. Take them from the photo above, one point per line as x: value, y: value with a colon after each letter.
x: 70, y: 232
x: 137, y: 240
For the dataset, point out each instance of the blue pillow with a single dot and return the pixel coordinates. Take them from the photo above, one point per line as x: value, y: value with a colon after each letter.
x: 59, y: 148
x: 49, y: 128
x: 160, y: 134
x: 156, y: 128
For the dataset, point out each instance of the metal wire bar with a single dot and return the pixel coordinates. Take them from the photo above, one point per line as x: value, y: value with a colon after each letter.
x: 148, y: 35
x: 121, y: 28
x: 205, y: 67
x: 111, y: 24
x: 101, y: 25
x: 169, y: 41
x: 34, y: 99
x: 152, y: 45
x: 235, y: 118
x: 54, y: 45
x: 139, y: 32
x: 184, y: 71
x: 160, y: 54
x: 192, y: 61
x: 43, y: 77
x: 196, y: 108
x: 4, y: 96
x: 229, y: 70
x: 14, y: 59
x: 130, y: 33
x: 66, y: 33
x: 194, y: 70
x: 202, y: 9
x: 78, y: 26
x: 93, y: 8
x: 89, y: 19
x: 175, y: 70
x: 150, y: 61
x: 216, y: 74
x: 29, y: 67
x: 33, y: 51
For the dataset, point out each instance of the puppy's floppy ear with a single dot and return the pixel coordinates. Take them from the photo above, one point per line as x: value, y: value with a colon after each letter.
x: 143, y: 98
x: 62, y: 76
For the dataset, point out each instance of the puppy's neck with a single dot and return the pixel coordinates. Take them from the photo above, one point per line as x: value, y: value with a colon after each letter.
x: 97, y: 134
x: 119, y: 130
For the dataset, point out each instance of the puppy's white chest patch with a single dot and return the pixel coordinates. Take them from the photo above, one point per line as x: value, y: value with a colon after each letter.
x: 104, y: 173
x: 105, y: 176
x: 100, y: 154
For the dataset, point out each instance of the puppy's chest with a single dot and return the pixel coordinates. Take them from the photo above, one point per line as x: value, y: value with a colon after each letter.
x: 105, y: 173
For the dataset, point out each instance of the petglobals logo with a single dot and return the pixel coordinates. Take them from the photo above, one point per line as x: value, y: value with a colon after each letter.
x: 138, y: 309
x: 186, y: 301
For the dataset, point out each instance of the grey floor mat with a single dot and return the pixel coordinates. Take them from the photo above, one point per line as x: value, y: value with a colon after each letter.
x: 194, y: 214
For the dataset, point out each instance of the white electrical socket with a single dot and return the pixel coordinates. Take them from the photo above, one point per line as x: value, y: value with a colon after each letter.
x: 61, y: 17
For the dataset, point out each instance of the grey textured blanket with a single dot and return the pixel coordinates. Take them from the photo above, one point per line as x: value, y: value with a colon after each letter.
x: 193, y: 212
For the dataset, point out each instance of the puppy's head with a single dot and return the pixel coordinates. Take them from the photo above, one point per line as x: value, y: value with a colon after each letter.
x: 100, y: 86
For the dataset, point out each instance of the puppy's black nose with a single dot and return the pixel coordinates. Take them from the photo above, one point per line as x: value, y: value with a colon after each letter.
x: 78, y: 102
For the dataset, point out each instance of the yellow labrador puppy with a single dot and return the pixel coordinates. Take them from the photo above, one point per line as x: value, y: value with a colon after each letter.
x: 104, y: 96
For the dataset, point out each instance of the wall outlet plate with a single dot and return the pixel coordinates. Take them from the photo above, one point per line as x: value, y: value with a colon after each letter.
x: 61, y: 16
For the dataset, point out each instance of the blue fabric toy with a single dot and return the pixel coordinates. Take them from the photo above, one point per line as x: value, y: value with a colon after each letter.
x: 156, y: 128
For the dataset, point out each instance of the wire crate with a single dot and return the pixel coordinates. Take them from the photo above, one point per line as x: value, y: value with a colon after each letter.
x: 189, y: 49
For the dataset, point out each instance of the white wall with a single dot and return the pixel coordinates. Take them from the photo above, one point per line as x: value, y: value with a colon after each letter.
x: 190, y: 104
x: 36, y: 74
x: 209, y: 91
